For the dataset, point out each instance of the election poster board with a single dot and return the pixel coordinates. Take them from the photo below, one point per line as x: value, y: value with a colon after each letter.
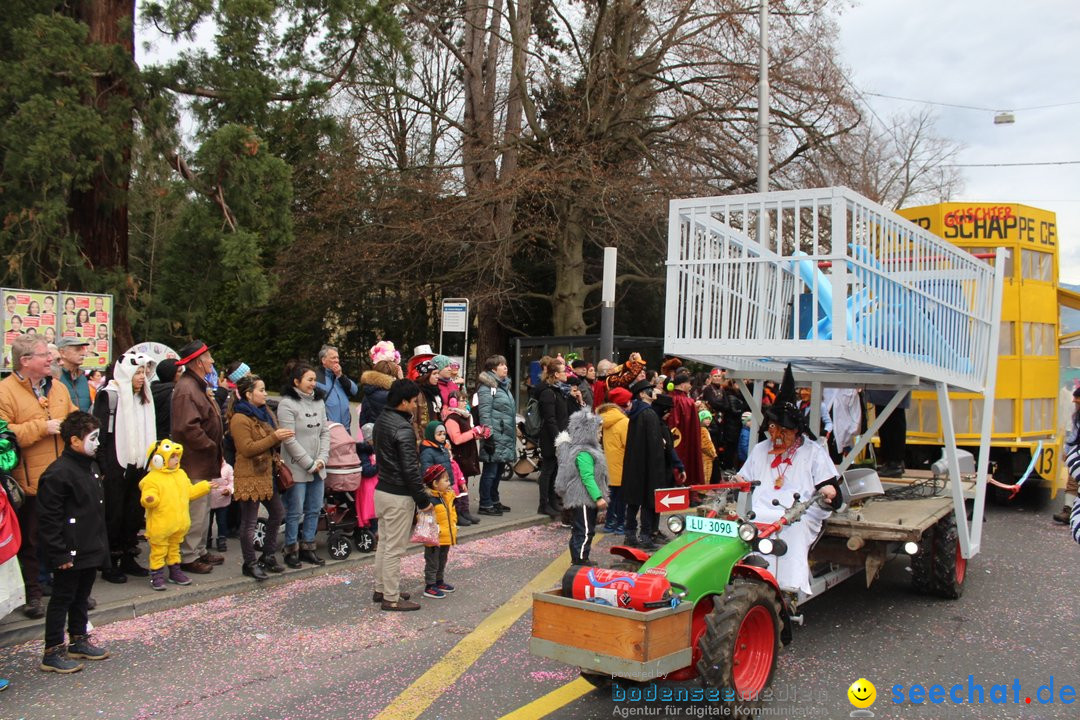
x: 88, y: 317
x: 55, y: 315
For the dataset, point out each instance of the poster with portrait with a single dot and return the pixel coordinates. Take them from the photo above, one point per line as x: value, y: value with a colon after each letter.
x: 27, y: 312
x: 89, y: 317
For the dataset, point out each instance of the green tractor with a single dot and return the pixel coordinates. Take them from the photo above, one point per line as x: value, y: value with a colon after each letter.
x: 702, y: 606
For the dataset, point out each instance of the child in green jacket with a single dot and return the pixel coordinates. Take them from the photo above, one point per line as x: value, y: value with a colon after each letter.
x: 582, y: 480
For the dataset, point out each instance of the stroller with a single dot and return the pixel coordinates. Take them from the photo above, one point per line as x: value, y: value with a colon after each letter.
x: 528, y: 461
x: 343, y: 515
x: 346, y: 513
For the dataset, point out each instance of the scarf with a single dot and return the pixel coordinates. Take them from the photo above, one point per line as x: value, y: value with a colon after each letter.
x: 135, y: 426
x: 564, y: 388
x: 259, y: 413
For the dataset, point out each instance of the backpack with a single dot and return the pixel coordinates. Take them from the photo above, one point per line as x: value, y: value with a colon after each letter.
x: 531, y: 426
x: 10, y: 534
x: 9, y: 448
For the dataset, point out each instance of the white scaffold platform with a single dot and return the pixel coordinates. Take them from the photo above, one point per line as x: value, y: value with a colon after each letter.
x: 846, y: 291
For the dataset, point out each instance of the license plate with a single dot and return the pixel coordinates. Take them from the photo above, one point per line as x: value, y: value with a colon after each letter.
x: 712, y: 526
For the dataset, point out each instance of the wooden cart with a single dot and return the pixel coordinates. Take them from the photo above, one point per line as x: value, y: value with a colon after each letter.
x: 610, y: 641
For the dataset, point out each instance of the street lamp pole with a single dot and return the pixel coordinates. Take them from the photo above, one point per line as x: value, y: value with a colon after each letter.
x: 763, y: 100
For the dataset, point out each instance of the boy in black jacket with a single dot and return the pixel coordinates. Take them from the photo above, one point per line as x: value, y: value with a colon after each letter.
x: 73, y: 539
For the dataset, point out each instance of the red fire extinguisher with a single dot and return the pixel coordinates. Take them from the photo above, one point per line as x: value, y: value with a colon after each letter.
x: 618, y: 588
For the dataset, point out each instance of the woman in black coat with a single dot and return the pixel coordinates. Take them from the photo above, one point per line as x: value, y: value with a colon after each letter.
x: 556, y: 400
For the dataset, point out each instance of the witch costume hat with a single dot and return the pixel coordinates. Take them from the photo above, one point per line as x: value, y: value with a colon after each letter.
x: 785, y: 411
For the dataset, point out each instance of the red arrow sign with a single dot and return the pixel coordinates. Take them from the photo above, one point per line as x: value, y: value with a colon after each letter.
x: 670, y: 499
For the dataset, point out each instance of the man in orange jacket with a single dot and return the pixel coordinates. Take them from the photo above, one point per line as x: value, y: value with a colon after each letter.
x: 34, y: 405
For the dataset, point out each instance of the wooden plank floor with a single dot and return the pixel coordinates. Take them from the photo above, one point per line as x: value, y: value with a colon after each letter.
x: 902, y: 519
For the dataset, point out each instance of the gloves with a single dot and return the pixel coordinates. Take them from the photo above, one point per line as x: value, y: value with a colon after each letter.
x: 482, y: 431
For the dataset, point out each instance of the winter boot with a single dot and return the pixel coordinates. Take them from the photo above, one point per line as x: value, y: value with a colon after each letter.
x: 113, y: 573
x: 292, y: 556
x: 270, y: 563
x: 307, y: 554
x: 128, y: 566
x: 177, y: 576
x: 157, y: 579
x: 254, y: 570
x: 462, y: 505
x: 81, y: 647
x: 56, y: 660
x: 1063, y: 516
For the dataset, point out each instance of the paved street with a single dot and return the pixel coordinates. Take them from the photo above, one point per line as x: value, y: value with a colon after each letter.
x: 317, y: 648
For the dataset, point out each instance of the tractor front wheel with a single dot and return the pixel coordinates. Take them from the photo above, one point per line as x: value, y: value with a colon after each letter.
x: 741, y: 640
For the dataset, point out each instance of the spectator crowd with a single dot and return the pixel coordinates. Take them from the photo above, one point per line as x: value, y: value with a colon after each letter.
x: 178, y: 456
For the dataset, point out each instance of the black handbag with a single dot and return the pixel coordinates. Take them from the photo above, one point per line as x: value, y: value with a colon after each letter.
x: 14, y: 493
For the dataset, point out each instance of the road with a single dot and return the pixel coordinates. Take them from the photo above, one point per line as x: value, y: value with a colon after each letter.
x: 318, y: 648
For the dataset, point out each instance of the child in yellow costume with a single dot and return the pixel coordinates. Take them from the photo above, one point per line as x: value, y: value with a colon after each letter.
x: 166, y: 494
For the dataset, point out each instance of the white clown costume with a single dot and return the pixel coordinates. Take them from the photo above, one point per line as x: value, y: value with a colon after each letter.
x: 809, y: 467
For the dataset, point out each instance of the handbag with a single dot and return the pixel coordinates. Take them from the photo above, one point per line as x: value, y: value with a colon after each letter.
x: 426, y: 530
x: 282, y: 474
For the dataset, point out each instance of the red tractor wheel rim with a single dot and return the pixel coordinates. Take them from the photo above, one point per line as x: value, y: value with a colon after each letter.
x: 961, y: 566
x: 755, y: 645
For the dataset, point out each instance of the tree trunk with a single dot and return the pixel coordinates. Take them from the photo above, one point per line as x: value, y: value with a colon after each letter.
x: 490, y: 168
x: 568, y: 300
x: 99, y: 214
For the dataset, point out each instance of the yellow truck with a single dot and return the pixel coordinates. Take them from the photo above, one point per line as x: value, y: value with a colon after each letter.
x: 1025, y: 437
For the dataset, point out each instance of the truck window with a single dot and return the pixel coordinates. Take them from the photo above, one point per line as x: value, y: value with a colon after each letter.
x: 1036, y: 265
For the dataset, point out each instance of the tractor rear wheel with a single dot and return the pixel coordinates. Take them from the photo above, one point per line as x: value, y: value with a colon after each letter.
x: 741, y: 641
x: 949, y: 568
x: 922, y: 564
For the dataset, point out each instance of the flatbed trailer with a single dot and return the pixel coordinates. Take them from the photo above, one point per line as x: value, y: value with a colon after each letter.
x: 848, y: 294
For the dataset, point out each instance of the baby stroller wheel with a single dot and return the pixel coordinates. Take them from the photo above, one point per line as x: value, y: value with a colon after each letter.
x: 338, y: 545
x: 259, y: 539
x: 364, y: 539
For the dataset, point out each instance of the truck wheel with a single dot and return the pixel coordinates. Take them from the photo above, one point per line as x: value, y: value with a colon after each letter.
x: 922, y: 563
x: 741, y: 639
x: 949, y: 567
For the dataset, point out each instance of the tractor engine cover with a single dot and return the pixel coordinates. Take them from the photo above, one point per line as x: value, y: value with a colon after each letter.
x: 618, y: 588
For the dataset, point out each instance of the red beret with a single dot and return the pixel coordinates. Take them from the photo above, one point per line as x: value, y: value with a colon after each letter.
x: 432, y: 474
x: 619, y: 396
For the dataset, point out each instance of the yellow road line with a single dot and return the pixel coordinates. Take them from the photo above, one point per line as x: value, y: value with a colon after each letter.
x: 544, y: 706
x: 427, y: 688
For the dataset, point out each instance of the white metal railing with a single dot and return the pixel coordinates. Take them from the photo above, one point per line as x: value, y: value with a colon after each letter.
x: 829, y: 275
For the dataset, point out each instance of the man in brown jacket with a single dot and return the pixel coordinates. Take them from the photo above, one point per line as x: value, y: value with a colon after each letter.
x: 33, y: 404
x: 196, y: 424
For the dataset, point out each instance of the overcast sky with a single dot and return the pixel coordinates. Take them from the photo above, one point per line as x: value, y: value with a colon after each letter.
x: 990, y: 54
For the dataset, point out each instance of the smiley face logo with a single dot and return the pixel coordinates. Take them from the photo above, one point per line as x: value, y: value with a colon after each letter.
x: 862, y: 693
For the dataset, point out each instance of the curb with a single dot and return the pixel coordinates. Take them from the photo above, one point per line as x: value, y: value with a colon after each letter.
x: 26, y: 630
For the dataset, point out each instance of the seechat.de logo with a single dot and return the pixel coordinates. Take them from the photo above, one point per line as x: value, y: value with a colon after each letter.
x: 862, y: 695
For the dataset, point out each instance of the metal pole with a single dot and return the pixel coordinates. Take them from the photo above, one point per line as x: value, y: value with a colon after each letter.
x: 763, y: 101
x: 607, y: 307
